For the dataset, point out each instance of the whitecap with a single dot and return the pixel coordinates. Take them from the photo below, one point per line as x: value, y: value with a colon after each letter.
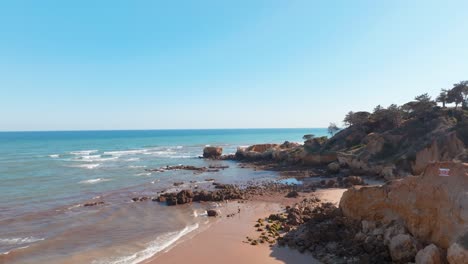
x: 93, y: 181
x: 161, y: 243
x: 84, y: 152
x: 182, y: 157
x: 54, y: 156
x: 137, y: 166
x: 133, y: 159
x: 143, y: 174
x: 125, y: 152
x: 179, y: 147
x: 87, y: 166
x: 165, y: 153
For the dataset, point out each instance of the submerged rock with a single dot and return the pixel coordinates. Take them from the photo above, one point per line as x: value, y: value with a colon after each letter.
x: 93, y: 204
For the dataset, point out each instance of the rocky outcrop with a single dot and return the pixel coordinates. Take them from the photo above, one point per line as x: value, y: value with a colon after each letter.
x: 315, y: 159
x: 261, y: 147
x: 256, y: 152
x: 225, y: 192
x: 446, y: 148
x: 433, y: 208
x: 212, y: 152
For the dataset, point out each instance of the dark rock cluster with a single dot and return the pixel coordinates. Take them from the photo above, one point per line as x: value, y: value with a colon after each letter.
x: 224, y: 192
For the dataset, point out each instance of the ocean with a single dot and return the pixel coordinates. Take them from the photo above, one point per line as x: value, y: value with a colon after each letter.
x: 46, y: 176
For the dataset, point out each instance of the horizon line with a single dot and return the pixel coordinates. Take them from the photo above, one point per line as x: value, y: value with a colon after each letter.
x: 156, y: 129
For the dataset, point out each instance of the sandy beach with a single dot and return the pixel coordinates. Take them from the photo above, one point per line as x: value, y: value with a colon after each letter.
x: 224, y: 241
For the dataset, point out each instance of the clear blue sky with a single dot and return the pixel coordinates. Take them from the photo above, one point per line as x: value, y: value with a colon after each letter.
x: 110, y: 64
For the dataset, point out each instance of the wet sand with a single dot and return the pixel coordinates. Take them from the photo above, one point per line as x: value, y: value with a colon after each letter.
x: 225, y: 240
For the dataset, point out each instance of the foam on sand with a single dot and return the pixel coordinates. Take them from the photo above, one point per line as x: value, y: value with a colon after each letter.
x: 161, y: 243
x: 19, y: 240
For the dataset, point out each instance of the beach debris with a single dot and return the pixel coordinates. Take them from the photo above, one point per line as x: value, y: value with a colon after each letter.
x: 178, y: 183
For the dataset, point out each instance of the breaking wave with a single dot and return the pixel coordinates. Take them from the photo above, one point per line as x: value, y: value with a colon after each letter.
x: 161, y: 243
x: 93, y: 181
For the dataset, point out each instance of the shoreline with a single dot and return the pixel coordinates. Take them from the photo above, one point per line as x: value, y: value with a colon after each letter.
x: 224, y: 240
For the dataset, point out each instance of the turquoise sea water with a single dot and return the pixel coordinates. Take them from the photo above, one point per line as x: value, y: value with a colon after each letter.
x: 45, y: 175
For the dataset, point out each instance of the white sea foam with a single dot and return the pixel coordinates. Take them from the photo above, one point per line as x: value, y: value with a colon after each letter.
x: 133, y: 159
x: 125, y: 152
x: 84, y: 152
x: 166, y: 153
x: 8, y: 252
x: 161, y: 243
x: 54, y: 156
x: 19, y: 240
x: 93, y: 181
x: 137, y: 166
x: 143, y: 174
x: 182, y: 157
x: 86, y: 166
x: 179, y: 147
x: 94, y: 158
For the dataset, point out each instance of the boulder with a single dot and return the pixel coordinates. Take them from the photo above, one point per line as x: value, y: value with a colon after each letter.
x: 429, y: 255
x: 212, y: 213
x: 457, y: 254
x: 212, y: 152
x: 292, y: 194
x: 333, y: 167
x: 403, y: 248
x: 393, y: 229
x: 353, y: 180
x: 431, y: 207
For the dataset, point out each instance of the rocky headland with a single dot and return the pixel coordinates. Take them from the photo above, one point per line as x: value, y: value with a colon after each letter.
x: 402, y: 172
x: 419, y: 214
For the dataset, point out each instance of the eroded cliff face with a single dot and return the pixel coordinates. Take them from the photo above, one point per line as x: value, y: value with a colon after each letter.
x: 445, y: 148
x: 433, y: 208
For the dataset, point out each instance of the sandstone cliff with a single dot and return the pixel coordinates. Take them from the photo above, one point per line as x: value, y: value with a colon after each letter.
x: 433, y: 208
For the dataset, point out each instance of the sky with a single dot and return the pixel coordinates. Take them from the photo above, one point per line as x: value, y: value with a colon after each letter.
x: 147, y: 64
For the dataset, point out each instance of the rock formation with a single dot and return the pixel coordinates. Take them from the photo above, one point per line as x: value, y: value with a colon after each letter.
x: 433, y: 206
x: 212, y: 152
